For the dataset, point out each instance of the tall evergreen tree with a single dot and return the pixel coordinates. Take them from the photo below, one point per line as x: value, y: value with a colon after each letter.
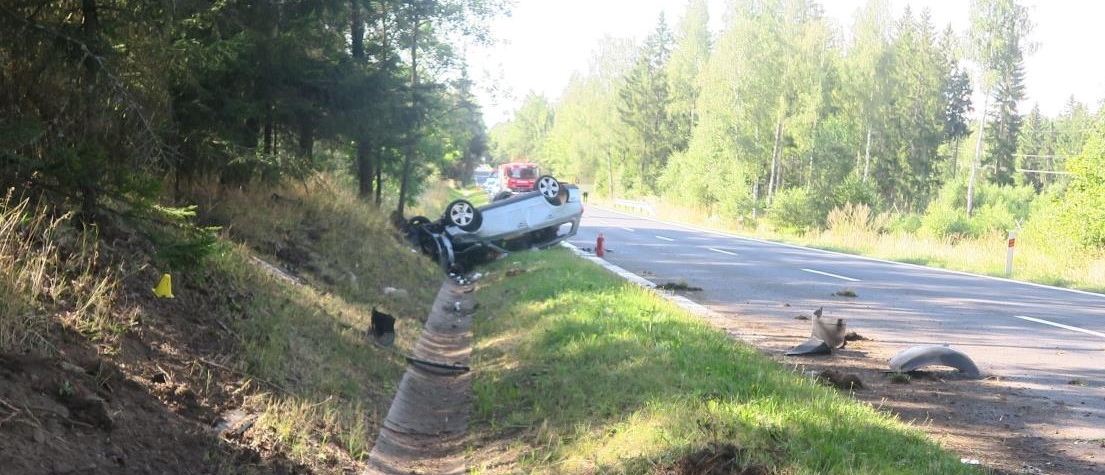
x: 916, y: 119
x: 957, y: 95
x: 688, y: 57
x: 644, y: 107
x: 1036, y: 150
x: 999, y: 40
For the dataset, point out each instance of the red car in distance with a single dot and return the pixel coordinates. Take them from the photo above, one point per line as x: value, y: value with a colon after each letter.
x: 518, y: 177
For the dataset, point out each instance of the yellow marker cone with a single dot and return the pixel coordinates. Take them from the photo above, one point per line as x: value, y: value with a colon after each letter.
x: 164, y: 288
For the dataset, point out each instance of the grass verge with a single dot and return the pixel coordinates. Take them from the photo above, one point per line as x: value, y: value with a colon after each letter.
x: 315, y: 261
x: 580, y: 372
x: 267, y: 328
x: 1038, y: 257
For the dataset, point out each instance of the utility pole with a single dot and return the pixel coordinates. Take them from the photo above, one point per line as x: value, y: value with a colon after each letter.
x: 978, y: 154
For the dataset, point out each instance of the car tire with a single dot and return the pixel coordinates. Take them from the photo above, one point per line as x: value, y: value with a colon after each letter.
x: 443, y: 252
x: 553, y: 191
x: 463, y: 215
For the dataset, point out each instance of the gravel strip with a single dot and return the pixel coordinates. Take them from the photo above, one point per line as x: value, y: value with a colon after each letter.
x: 427, y: 424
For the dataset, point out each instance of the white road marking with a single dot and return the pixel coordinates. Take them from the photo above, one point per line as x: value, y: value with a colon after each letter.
x: 630, y: 229
x: 1060, y: 325
x: 849, y: 279
x: 855, y: 256
x: 662, y: 238
x: 721, y: 251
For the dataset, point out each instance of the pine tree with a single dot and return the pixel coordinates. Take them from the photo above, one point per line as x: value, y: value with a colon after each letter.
x: 643, y: 107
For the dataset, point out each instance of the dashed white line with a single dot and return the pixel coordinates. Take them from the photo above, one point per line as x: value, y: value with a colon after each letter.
x: 721, y: 251
x: 1060, y: 325
x: 849, y: 279
x: 629, y: 229
x: 662, y: 238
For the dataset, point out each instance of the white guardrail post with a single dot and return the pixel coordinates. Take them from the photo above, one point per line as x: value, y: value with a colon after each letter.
x: 640, y: 206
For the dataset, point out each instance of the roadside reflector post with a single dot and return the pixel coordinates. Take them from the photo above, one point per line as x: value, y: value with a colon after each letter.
x: 1011, y: 242
x: 600, y: 243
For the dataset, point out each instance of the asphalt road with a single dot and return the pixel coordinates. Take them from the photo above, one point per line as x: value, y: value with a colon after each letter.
x: 1042, y: 338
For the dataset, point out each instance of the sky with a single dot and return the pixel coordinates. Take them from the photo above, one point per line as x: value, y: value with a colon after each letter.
x: 543, y: 42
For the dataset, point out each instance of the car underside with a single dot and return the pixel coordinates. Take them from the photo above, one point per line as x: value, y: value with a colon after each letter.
x: 465, y: 236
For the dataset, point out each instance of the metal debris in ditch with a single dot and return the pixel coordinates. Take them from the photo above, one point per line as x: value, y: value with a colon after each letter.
x: 234, y: 423
x: 383, y: 328
x: 825, y: 336
x: 914, y: 358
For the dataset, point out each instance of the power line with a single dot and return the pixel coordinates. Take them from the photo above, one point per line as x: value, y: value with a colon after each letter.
x: 1040, y: 156
x: 1044, y: 172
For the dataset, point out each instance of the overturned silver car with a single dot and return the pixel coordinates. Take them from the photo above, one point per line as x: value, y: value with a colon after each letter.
x: 466, y: 235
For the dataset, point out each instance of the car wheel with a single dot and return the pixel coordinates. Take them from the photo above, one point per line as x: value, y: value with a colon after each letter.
x: 443, y: 252
x: 552, y: 190
x: 463, y: 215
x: 418, y: 221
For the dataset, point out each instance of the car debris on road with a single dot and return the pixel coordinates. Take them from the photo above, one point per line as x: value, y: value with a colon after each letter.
x: 825, y: 336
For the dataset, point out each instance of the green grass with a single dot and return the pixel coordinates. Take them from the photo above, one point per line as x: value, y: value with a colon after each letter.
x: 431, y: 203
x: 577, y: 371
x: 321, y: 387
x: 50, y: 270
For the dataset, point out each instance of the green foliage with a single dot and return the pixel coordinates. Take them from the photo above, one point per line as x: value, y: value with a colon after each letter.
x: 521, y: 138
x: 795, y: 210
x: 187, y: 249
x: 998, y: 42
x: 643, y: 106
x: 949, y: 223
x: 179, y: 242
x: 688, y: 56
x: 852, y: 190
x: 1036, y: 151
x: 102, y: 99
x: 1082, y: 214
x: 907, y: 223
x: 998, y: 209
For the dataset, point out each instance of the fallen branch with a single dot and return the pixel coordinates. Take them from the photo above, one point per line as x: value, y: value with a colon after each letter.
x: 244, y: 375
x: 13, y: 409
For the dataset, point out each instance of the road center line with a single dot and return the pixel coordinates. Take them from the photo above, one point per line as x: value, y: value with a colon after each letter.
x: 662, y: 238
x: 849, y: 279
x: 1060, y: 325
x: 721, y: 251
x: 629, y: 229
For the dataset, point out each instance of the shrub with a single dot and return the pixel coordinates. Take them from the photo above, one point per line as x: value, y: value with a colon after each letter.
x: 793, y: 210
x: 993, y: 218
x: 854, y: 191
x: 909, y: 223
x: 997, y: 208
x: 944, y: 222
x: 852, y: 219
x: 1083, y: 206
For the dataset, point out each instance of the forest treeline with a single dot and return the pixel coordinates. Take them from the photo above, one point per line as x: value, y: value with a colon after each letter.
x: 118, y: 101
x: 784, y: 112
